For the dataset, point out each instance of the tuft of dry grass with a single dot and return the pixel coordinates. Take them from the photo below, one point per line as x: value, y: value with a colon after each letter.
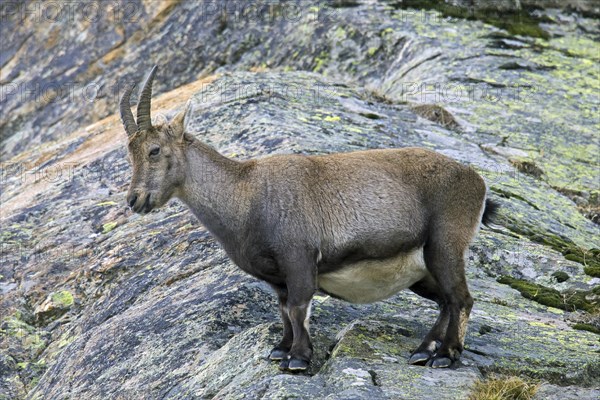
x: 528, y: 167
x: 437, y: 114
x: 504, y: 388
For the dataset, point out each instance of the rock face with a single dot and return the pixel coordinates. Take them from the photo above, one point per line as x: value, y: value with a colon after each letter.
x: 584, y: 6
x: 100, y: 303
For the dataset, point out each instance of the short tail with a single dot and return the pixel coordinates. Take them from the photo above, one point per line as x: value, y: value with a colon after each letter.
x: 491, y: 209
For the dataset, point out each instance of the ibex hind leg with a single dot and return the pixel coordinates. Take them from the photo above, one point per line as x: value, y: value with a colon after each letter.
x: 444, y: 259
x: 429, y: 289
x: 281, y: 350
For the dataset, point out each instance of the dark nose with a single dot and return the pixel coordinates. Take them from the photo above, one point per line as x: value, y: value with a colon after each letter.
x: 132, y: 199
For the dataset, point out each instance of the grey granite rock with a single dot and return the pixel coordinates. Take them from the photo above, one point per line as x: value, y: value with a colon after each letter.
x: 159, y: 311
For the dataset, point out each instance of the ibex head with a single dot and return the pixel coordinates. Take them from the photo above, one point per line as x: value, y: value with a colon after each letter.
x: 156, y: 152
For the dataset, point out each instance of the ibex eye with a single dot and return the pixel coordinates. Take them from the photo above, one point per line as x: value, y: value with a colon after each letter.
x: 155, y: 151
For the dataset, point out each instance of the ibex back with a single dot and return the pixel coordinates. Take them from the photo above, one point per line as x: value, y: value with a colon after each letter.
x: 360, y: 226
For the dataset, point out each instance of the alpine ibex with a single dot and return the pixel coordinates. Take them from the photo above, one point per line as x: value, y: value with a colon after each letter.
x: 359, y: 226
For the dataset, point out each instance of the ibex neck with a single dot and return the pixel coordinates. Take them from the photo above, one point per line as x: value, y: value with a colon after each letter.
x: 210, y: 189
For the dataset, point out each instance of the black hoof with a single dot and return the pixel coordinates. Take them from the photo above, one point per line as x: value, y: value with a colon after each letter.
x: 440, y: 362
x: 297, y: 365
x: 293, y: 365
x: 419, y: 358
x: 277, y: 354
x: 283, y: 365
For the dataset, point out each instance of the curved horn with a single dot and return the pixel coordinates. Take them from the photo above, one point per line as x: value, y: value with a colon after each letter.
x: 143, y: 109
x: 126, y: 114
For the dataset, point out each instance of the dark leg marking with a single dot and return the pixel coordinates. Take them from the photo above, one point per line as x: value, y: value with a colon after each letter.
x: 429, y: 289
x: 281, y: 350
x: 447, y: 266
x: 301, y: 272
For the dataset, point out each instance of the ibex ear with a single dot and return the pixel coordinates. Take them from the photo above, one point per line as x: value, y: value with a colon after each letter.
x: 180, y: 121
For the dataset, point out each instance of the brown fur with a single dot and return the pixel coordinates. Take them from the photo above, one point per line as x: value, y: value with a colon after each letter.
x: 290, y: 219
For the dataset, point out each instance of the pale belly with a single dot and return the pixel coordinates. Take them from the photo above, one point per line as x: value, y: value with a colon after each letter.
x: 373, y: 280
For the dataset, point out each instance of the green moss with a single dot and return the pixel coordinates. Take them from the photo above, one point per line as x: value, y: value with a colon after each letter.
x: 22, y: 365
x: 31, y: 372
x: 16, y: 327
x: 321, y: 61
x: 109, y: 226
x: 592, y: 271
x: 34, y: 382
x: 65, y: 341
x: 587, y: 327
x: 386, y: 31
x: 106, y: 203
x: 568, y: 301
x: 515, y: 22
x: 340, y: 33
x: 508, y: 195
x: 26, y: 334
x: 369, y: 342
x: 34, y: 343
x: 589, y: 258
x: 333, y: 118
x: 63, y: 298
x: 561, y: 276
x: 372, y: 50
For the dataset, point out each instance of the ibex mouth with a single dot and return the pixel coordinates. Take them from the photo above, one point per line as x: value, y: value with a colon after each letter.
x: 146, y: 207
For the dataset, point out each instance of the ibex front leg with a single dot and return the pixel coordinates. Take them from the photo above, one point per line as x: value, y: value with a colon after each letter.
x: 301, y: 284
